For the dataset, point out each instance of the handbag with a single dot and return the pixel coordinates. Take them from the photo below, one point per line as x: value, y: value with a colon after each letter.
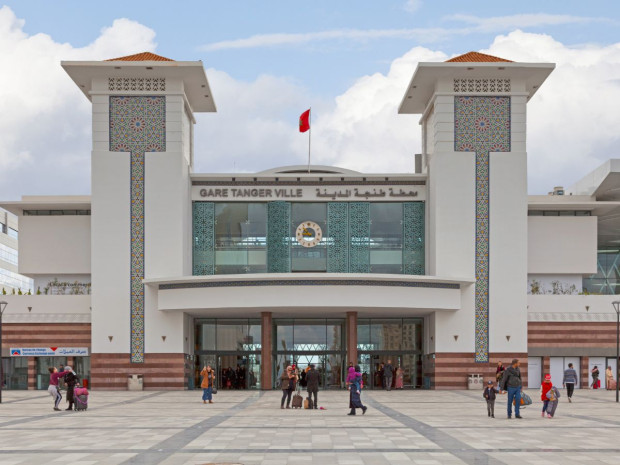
x: 213, y: 390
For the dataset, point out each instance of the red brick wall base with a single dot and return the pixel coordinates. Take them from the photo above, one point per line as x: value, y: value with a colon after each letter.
x: 160, y: 371
x: 450, y: 370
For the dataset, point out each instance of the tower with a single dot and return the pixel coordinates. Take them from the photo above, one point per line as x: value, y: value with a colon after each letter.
x: 474, y: 152
x: 142, y: 119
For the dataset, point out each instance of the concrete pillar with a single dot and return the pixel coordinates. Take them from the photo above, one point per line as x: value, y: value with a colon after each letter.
x: 352, y: 337
x: 266, y: 344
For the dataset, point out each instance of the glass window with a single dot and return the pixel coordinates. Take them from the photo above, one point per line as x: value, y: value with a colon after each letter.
x: 254, y: 338
x: 309, y: 258
x: 386, y: 334
x: 551, y: 213
x: 535, y: 213
x: 15, y: 373
x: 363, y: 334
x: 284, y: 335
x: 583, y: 213
x: 231, y: 334
x: 205, y: 335
x: 334, y: 335
x: 8, y: 254
x: 240, y: 238
x: 309, y: 336
x: 386, y: 238
x: 412, y: 334
x: 13, y: 233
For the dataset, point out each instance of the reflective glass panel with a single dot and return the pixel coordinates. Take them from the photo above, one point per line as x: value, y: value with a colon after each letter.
x: 386, y: 334
x: 240, y: 238
x: 386, y: 237
x: 412, y: 334
x: 205, y: 335
x: 231, y: 335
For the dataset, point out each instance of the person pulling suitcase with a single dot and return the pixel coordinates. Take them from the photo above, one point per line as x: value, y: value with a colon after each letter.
x: 312, y: 380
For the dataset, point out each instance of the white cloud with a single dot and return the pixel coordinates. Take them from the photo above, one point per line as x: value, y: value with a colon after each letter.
x: 413, y: 5
x: 476, y: 25
x: 46, y: 133
x: 572, y: 120
x: 521, y: 21
x: 45, y: 120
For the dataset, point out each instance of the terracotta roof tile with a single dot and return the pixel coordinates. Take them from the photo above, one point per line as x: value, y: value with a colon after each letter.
x: 476, y: 57
x: 144, y: 56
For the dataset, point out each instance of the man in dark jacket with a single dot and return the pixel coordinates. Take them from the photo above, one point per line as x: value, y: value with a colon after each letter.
x: 312, y: 378
x: 511, y: 382
x: 388, y: 374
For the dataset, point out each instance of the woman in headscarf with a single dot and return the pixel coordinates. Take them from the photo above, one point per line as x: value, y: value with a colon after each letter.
x: 354, y: 382
x: 72, y: 380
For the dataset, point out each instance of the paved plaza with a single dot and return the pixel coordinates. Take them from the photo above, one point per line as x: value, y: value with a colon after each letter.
x: 400, y: 427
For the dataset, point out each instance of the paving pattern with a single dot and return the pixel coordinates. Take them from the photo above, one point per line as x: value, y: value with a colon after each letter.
x: 400, y: 427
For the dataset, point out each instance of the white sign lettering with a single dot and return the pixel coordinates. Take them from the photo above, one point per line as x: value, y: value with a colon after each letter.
x: 49, y: 351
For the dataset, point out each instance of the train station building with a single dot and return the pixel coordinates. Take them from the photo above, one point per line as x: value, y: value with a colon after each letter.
x: 444, y: 270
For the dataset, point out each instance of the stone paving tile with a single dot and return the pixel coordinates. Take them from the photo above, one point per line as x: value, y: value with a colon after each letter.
x: 419, y: 427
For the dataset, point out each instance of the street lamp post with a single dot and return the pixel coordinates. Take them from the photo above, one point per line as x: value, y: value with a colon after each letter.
x: 616, y: 305
x: 3, y: 305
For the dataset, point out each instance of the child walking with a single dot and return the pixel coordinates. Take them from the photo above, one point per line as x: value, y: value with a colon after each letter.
x: 489, y: 394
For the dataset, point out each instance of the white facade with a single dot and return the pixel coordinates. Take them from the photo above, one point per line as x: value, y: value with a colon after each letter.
x: 483, y: 253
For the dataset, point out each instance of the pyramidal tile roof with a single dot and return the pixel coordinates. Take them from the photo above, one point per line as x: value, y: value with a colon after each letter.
x: 476, y: 57
x: 144, y: 56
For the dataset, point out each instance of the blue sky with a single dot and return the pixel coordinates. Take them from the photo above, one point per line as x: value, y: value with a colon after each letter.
x: 268, y: 61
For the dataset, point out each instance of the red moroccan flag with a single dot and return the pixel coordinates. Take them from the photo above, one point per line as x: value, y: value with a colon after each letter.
x: 304, y: 121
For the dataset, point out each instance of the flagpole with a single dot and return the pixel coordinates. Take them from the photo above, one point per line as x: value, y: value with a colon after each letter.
x: 309, y: 136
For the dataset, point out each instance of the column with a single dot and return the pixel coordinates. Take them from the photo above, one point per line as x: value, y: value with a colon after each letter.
x: 266, y: 344
x: 352, y: 337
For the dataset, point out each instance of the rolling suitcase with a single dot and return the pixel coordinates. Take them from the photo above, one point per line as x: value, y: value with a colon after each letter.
x: 81, y: 398
x: 81, y: 402
x: 297, y: 401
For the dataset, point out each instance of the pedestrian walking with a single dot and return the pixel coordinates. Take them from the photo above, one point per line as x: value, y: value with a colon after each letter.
x: 610, y: 382
x: 489, y: 394
x: 208, y: 377
x: 595, y: 381
x: 400, y: 378
x: 545, y: 386
x: 72, y: 380
x: 553, y: 396
x: 388, y: 375
x: 312, y: 385
x: 511, y: 382
x: 354, y: 381
x: 569, y: 381
x: 288, y: 385
x: 53, y: 388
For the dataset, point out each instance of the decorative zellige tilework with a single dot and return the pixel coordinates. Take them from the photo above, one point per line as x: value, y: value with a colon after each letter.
x: 413, y: 238
x: 204, y: 238
x: 137, y: 125
x: 482, y: 125
x: 338, y: 233
x: 359, y: 236
x: 278, y: 237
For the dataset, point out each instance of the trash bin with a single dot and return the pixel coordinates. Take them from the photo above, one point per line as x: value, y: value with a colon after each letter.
x: 474, y: 382
x: 135, y: 383
x: 427, y: 382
